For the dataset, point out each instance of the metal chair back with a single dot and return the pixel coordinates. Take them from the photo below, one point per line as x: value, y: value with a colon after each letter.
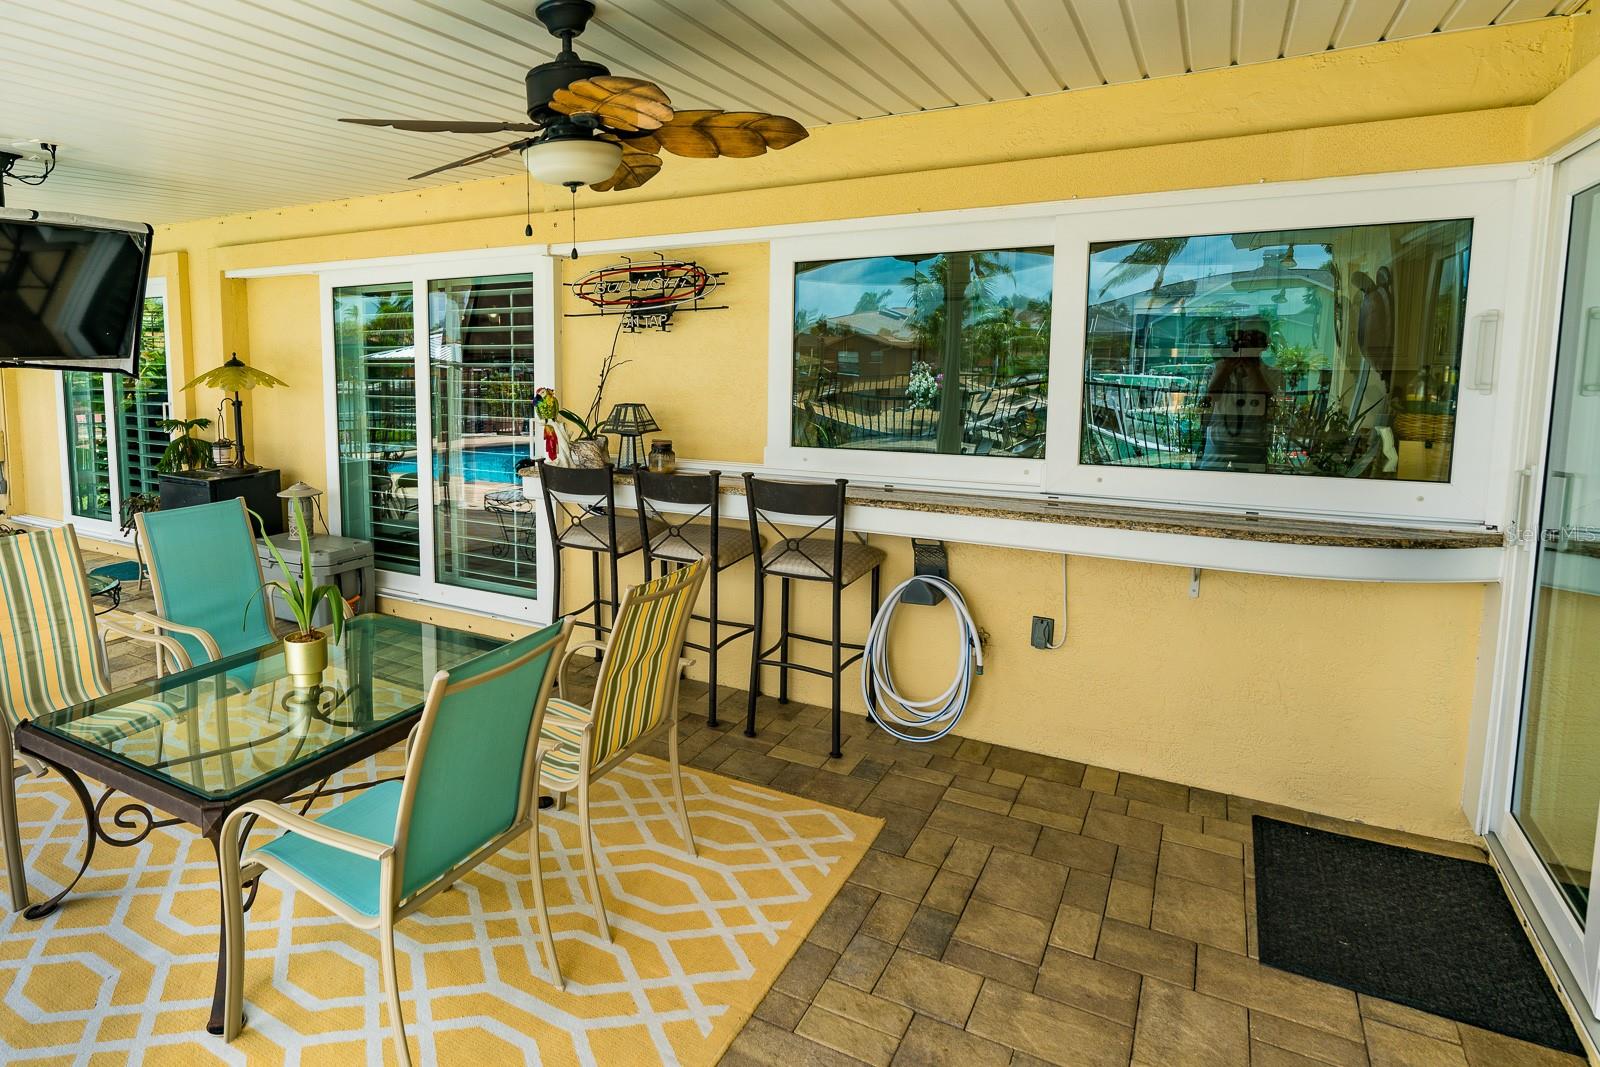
x: 817, y: 507
x: 205, y: 573
x: 469, y: 776
x: 699, y: 491
x: 585, y: 497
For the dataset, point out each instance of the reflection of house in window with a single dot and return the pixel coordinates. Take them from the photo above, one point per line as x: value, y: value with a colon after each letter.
x: 933, y: 353
x: 1364, y: 334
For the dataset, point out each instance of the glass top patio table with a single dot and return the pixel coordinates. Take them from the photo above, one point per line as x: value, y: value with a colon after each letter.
x: 228, y: 729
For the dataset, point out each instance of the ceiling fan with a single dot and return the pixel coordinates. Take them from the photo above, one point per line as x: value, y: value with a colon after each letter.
x: 591, y: 127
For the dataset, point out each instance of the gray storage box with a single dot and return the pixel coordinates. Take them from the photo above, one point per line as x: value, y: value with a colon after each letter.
x: 341, y: 561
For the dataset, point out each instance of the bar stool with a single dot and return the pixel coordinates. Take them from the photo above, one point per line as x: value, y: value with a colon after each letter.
x: 815, y: 556
x: 586, y: 497
x: 681, y: 540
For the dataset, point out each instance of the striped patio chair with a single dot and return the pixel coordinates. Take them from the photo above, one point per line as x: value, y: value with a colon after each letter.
x: 51, y: 657
x: 635, y: 695
x: 468, y: 791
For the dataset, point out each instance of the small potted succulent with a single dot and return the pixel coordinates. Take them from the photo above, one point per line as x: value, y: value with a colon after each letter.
x: 305, y: 650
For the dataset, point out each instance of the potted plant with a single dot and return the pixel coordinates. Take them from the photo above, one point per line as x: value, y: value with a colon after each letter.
x: 185, y: 452
x: 305, y: 650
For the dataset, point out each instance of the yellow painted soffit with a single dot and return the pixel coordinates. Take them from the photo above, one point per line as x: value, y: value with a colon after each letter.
x: 1496, y: 68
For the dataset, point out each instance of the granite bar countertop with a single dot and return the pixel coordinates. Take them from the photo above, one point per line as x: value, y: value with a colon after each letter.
x: 1237, y: 526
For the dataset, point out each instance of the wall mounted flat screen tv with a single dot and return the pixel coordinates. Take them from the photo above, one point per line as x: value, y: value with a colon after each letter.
x: 71, y: 291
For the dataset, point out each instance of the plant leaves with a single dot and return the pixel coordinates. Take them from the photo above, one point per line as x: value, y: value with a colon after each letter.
x: 577, y: 421
x: 302, y: 608
x: 335, y: 598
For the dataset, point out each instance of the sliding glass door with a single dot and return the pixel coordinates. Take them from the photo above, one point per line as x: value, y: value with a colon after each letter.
x: 435, y: 371
x: 1556, y: 800
x: 481, y: 383
x: 375, y: 368
x: 1548, y: 824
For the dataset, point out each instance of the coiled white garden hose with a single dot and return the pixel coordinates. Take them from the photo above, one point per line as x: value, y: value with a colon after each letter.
x: 933, y: 718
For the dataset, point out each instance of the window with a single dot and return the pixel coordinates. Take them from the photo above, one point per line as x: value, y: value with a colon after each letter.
x: 1330, y: 352
x: 113, y: 426
x: 944, y: 352
x: 88, y: 449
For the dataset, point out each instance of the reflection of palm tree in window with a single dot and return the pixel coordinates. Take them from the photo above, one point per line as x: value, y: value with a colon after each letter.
x: 1156, y: 255
x: 872, y: 299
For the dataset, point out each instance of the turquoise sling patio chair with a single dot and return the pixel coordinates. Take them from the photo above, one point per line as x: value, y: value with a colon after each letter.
x: 52, y: 657
x: 468, y: 790
x: 207, y: 579
x: 635, y: 697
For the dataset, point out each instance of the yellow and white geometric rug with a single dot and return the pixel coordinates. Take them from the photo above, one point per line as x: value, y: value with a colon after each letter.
x: 123, y: 971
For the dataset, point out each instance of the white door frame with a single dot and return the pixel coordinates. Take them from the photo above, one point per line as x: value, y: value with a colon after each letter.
x: 1574, y: 949
x: 417, y: 272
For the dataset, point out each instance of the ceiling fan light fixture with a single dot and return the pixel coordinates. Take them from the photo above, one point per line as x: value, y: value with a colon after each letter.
x: 572, y: 160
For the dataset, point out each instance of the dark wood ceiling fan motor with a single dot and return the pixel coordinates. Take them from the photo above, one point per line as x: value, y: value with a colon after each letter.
x: 565, y: 19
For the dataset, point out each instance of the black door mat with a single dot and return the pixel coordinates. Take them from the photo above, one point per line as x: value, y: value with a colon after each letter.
x: 1430, y: 932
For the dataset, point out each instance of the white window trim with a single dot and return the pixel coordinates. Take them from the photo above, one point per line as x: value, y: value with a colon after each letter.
x: 103, y: 529
x: 417, y: 271
x: 1501, y: 201
x: 1492, y: 207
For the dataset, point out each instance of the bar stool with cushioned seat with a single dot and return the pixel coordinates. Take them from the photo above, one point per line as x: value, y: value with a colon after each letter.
x: 681, y: 540
x: 814, y: 556
x: 586, y: 498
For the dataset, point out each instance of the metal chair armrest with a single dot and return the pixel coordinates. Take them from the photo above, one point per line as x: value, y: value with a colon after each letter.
x: 279, y: 815
x: 561, y: 671
x: 166, y: 644
x: 207, y: 642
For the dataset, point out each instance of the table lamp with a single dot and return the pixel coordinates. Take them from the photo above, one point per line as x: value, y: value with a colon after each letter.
x: 629, y: 422
x: 232, y: 377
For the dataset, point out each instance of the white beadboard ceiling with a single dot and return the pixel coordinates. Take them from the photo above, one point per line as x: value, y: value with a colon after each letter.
x: 168, y: 110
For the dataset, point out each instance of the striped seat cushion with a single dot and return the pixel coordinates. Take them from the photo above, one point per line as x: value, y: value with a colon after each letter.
x: 105, y: 728
x: 563, y: 723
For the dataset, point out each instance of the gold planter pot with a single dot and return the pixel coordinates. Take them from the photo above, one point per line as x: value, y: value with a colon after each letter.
x: 306, y: 660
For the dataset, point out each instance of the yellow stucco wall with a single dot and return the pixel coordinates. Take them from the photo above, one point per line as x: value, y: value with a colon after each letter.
x: 1350, y: 699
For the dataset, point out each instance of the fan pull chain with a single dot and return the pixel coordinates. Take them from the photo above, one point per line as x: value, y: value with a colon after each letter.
x: 527, y: 202
x: 573, y: 186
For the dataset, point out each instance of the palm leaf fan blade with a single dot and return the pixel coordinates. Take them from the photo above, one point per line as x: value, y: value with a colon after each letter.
x: 635, y: 169
x: 626, y: 104
x: 779, y: 131
x: 704, y: 134
x: 445, y: 125
x: 476, y: 157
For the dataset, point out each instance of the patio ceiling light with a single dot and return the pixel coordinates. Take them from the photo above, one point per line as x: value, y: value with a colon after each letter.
x: 572, y: 160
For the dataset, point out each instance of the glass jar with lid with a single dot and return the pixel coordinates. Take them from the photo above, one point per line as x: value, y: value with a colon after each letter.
x: 661, y: 459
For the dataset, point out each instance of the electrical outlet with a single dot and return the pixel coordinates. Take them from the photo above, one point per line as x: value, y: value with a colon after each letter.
x: 1044, y: 632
